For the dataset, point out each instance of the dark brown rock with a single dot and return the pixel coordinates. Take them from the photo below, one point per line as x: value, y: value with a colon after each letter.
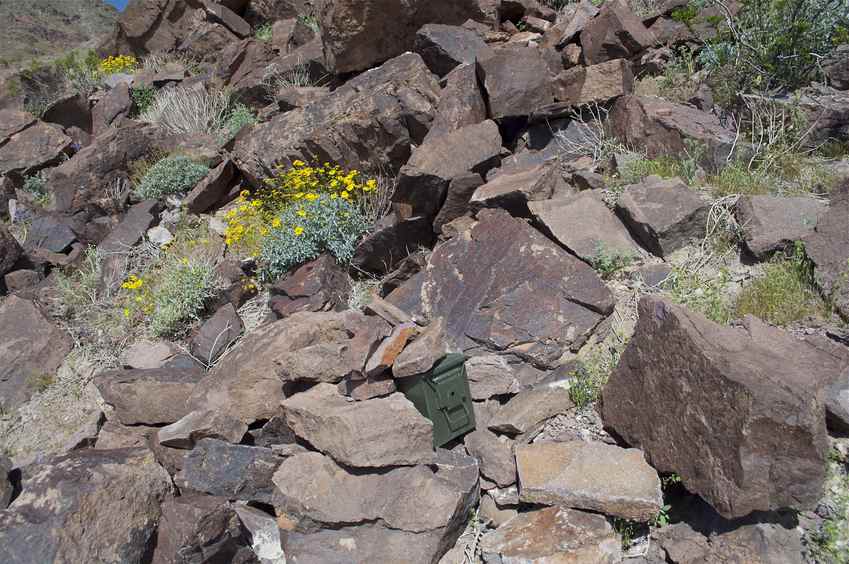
x: 118, y: 492
x: 199, y: 425
x: 31, y: 348
x: 21, y: 280
x: 444, y: 47
x: 116, y: 104
x: 736, y: 412
x: 222, y: 14
x: 596, y: 83
x: 828, y: 249
x: 34, y: 148
x: 10, y: 250
x: 423, y: 353
x: 615, y: 33
x: 514, y: 188
x: 149, y: 397
x: 299, y: 97
x: 14, y: 121
x: 494, y: 454
x: 664, y: 215
x: 390, y: 242
x: 384, y: 357
x: 772, y: 223
x: 527, y: 410
x: 517, y: 81
x: 125, y: 235
x: 503, y: 286
x: 216, y: 334
x: 212, y: 189
x: 460, y: 191
x: 70, y: 111
x: 461, y: 102
x: 319, y: 285
x: 50, y: 232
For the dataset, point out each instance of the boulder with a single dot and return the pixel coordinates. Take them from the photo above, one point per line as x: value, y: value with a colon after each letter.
x: 737, y: 412
x: 460, y: 104
x: 299, y: 97
x: 664, y: 215
x: 364, y: 434
x: 424, y: 180
x: 69, y: 111
x: 212, y: 189
x: 444, y: 47
x: 527, y: 410
x: 31, y: 348
x: 594, y: 476
x: 86, y: 506
x: 217, y: 12
x: 423, y: 353
x: 230, y: 471
x: 828, y: 249
x: 154, y: 396
x: 10, y: 250
x: 216, y: 334
x: 837, y: 403
x: 124, y: 236
x: 113, y: 106
x: 390, y: 242
x: 33, y: 148
x: 513, y: 189
x: 755, y: 543
x: 12, y: 122
x: 456, y: 204
x: 517, y: 81
x: 615, y: 33
x: 199, y: 425
x: 773, y: 223
x: 596, y: 83
x: 369, y: 122
x: 495, y: 456
x: 490, y: 375
x: 319, y: 285
x: 304, y: 348
x: 662, y: 128
x: 573, y: 18
x: 427, y: 506
x: 584, y: 226
x: 553, y: 534
x: 264, y: 534
x: 503, y: 286
x: 358, y: 35
x: 50, y: 232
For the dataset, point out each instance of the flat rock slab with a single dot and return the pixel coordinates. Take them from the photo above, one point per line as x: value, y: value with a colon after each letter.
x: 490, y: 375
x: 526, y: 410
x: 155, y: 396
x: 553, y: 534
x: 202, y: 424
x: 585, y: 226
x: 665, y: 215
x: 10, y: 250
x: 34, y: 148
x: 370, y: 433
x: 517, y: 81
x: 772, y: 223
x: 594, y: 476
x: 444, y: 47
x: 460, y: 104
x: 503, y: 286
x: 735, y: 411
x: 514, y: 189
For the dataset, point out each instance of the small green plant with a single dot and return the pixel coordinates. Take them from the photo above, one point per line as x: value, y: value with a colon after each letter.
x: 171, y: 175
x: 41, y: 381
x: 303, y: 231
x: 607, y: 261
x: 671, y: 480
x: 685, y: 15
x: 699, y: 292
x: 310, y: 21
x: 263, y: 32
x: 661, y: 519
x: 628, y: 530
x: 36, y: 185
x: 184, y: 288
x: 784, y: 294
x: 830, y: 543
x: 143, y: 97
x: 239, y: 117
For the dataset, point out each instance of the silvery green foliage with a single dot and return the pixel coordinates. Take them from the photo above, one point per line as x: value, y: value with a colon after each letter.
x: 181, y: 296
x: 332, y: 225
x: 171, y: 175
x: 240, y: 116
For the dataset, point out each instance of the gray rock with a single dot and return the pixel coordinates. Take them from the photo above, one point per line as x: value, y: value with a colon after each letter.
x: 230, y: 471
x: 593, y: 476
x: 51, y: 233
x: 198, y: 425
x: 772, y: 224
x: 444, y: 47
x: 149, y: 397
x: 10, y: 250
x: 525, y: 411
x: 6, y: 486
x: 515, y: 188
x: 265, y: 535
x: 372, y: 433
x: 828, y: 249
x: 490, y: 375
x: 495, y: 455
x: 216, y: 334
x: 147, y: 354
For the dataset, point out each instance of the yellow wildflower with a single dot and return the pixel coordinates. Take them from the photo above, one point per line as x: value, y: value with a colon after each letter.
x: 298, y: 231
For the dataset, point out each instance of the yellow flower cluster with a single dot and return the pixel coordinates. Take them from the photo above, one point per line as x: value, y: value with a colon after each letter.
x: 248, y: 222
x: 121, y: 63
x: 301, y: 181
x: 140, y: 300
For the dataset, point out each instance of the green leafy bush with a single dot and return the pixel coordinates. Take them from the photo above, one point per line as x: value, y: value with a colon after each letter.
x: 36, y: 184
x: 608, y: 261
x: 181, y: 295
x: 240, y: 115
x: 263, y: 32
x: 301, y: 232
x: 143, y: 97
x: 171, y: 175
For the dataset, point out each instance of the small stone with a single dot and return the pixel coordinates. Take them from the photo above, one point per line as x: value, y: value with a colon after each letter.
x: 383, y: 358
x: 490, y: 512
x: 159, y: 235
x: 525, y: 411
x: 198, y: 425
x: 489, y: 376
x: 216, y: 334
x: 145, y: 354
x: 495, y: 455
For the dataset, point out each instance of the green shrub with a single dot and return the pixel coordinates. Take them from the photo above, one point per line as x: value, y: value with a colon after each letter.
x: 784, y: 293
x: 143, y: 97
x: 240, y: 115
x: 608, y: 261
x: 685, y: 15
x: 36, y: 184
x: 303, y: 231
x: 182, y: 293
x: 263, y: 32
x: 171, y: 175
x: 699, y: 292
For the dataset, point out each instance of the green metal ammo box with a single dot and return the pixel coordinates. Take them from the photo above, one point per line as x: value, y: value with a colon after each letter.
x: 442, y: 395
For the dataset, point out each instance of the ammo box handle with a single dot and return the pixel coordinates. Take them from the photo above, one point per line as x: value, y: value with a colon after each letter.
x: 458, y: 422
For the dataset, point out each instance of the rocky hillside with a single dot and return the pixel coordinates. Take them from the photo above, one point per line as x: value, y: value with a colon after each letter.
x: 437, y: 282
x: 45, y: 28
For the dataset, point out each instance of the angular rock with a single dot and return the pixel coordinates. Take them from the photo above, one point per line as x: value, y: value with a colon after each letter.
x: 772, y: 224
x: 384, y: 357
x: 31, y: 348
x: 368, y: 388
x: 585, y: 226
x: 199, y: 425
x: 836, y: 68
x: 503, y: 286
x: 735, y: 411
x: 664, y: 215
x: 265, y: 534
x: 444, y: 47
x: 34, y: 148
x: 759, y: 543
x: 554, y: 534
x: 10, y: 250
x: 216, y: 334
x: 21, y: 280
x: 147, y: 354
x: 275, y: 432
x: 596, y: 83
x: 525, y: 411
x: 114, y: 105
x: 231, y: 471
x: 224, y: 15
x: 318, y: 285
x: 69, y: 111
x: 50, y: 233
x: 615, y: 33
x: 148, y: 397
x: 390, y: 242
x: 124, y: 236
x: 424, y: 179
x: 303, y: 348
x: 489, y: 376
x: 14, y: 121
x: 661, y: 128
x: 366, y: 434
x: 828, y: 248
x: 299, y: 97
x: 517, y: 81
x: 593, y: 476
x: 358, y: 35
x: 460, y: 104
x: 574, y: 17
x: 118, y: 491
x: 460, y: 191
x: 495, y: 455
x: 514, y: 188
x: 837, y: 403
x: 211, y: 189
x: 423, y: 353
